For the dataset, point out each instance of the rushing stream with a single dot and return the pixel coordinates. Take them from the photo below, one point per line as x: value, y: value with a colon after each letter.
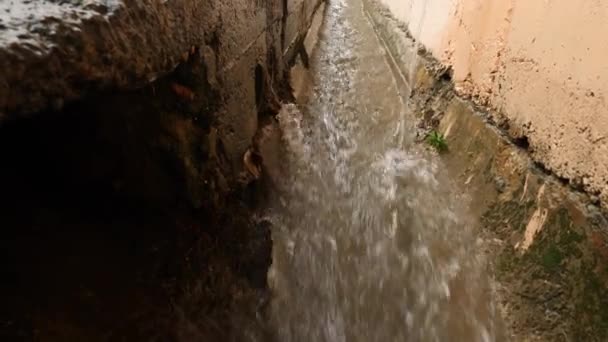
x: 372, y: 242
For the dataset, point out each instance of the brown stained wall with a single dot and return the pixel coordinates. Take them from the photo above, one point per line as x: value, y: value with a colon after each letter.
x: 144, y: 40
x: 537, y: 65
x: 300, y: 13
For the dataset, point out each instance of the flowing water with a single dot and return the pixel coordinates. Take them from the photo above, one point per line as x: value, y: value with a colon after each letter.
x: 372, y: 242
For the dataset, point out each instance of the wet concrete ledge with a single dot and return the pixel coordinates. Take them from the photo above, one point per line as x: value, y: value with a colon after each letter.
x: 80, y: 48
x: 546, y: 240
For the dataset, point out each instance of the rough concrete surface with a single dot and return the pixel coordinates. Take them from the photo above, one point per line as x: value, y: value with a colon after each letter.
x: 32, y: 22
x: 53, y: 52
x: 538, y: 65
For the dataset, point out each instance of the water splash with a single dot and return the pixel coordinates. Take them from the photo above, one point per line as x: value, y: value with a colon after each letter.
x: 371, y: 241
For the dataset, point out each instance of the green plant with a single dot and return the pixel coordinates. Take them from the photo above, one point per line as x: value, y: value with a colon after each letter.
x: 437, y: 141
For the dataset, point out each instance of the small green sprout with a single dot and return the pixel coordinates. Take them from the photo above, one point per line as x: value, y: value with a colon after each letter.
x: 437, y: 141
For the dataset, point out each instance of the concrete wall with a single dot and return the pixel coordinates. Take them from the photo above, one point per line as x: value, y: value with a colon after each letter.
x: 142, y: 48
x: 538, y: 65
x: 131, y: 118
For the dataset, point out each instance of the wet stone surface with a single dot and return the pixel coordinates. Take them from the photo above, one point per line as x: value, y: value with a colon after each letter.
x: 33, y: 22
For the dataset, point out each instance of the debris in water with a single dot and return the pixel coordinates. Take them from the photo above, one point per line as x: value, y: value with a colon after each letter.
x: 253, y: 162
x: 182, y: 91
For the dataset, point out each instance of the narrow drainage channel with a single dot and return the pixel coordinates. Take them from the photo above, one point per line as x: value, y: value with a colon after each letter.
x: 372, y: 241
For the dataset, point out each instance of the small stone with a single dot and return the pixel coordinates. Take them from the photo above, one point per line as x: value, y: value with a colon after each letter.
x: 593, y: 209
x: 594, y: 199
x: 572, y: 196
x: 595, y: 215
x: 500, y: 184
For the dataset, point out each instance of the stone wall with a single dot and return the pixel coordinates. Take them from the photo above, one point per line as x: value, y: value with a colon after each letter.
x: 537, y: 65
x: 128, y: 211
x: 74, y: 53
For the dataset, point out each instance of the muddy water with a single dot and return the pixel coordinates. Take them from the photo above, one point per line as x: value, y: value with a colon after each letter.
x: 372, y: 242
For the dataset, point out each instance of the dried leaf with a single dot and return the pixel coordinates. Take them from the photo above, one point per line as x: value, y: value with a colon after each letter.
x: 182, y: 91
x: 250, y: 164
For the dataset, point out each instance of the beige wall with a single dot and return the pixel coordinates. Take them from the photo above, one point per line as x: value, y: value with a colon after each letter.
x: 427, y: 20
x: 540, y: 63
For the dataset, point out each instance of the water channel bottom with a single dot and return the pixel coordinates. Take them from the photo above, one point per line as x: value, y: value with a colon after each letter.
x: 372, y: 241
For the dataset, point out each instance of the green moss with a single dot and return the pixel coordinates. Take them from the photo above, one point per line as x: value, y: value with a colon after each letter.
x: 506, y: 262
x: 511, y: 214
x: 566, y: 239
x: 591, y: 308
x: 568, y: 236
x: 560, y: 252
x: 551, y: 258
x: 558, y: 243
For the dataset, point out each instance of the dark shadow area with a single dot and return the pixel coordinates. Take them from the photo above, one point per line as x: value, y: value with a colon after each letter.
x: 521, y: 142
x: 79, y: 255
x: 114, y: 227
x: 259, y: 86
